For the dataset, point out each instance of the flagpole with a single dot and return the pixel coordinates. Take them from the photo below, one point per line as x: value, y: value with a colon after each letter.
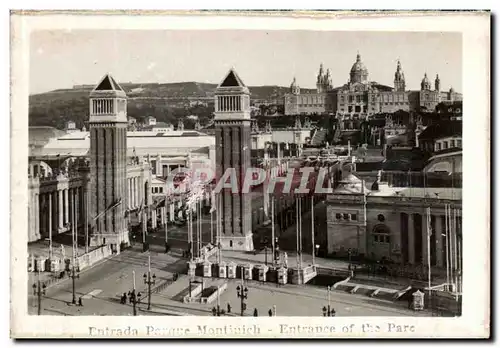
x: 455, y: 259
x: 459, y: 261
x: 86, y: 219
x: 452, y: 248
x: 272, y: 230
x: 297, y: 228
x: 447, y: 245
x: 75, y: 203
x: 219, y: 224
x: 212, y: 217
x: 165, y: 219
x: 312, y: 229
x: 300, y: 230
x: 191, y: 231
x: 429, y: 232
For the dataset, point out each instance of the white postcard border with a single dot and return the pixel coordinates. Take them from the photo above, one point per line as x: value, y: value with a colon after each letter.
x: 475, y: 28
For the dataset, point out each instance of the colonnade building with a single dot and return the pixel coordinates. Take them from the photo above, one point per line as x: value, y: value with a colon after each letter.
x: 394, y: 223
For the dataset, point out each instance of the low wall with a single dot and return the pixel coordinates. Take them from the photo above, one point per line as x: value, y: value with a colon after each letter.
x: 59, y: 264
x: 195, y: 291
x: 301, y: 276
x: 213, y: 297
x: 92, y: 257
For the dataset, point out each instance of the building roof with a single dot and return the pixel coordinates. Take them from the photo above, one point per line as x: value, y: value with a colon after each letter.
x: 40, y: 135
x: 358, y: 65
x: 173, y: 143
x: 451, y: 193
x: 232, y: 80
x: 108, y: 83
x: 351, y: 184
x: 108, y: 88
x: 159, y: 125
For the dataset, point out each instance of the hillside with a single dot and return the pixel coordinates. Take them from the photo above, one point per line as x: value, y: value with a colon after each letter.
x: 166, y: 101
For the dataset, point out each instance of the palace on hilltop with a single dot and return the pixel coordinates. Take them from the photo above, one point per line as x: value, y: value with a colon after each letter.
x: 359, y: 97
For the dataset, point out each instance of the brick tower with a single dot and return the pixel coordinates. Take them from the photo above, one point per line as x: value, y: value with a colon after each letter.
x: 108, y: 163
x: 232, y: 124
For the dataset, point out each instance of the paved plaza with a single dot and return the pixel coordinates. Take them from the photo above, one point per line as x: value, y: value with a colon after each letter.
x: 101, y: 287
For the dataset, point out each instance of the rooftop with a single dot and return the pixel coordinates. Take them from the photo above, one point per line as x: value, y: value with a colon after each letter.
x: 451, y: 193
x: 173, y: 143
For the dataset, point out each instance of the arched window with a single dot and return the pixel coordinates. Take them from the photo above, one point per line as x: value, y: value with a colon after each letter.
x: 381, y: 234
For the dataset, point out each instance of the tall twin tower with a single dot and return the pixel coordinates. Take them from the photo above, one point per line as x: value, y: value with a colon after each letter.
x: 232, y: 141
x: 108, y: 161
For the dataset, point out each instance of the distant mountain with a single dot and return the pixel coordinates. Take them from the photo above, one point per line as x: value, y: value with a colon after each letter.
x: 166, y: 101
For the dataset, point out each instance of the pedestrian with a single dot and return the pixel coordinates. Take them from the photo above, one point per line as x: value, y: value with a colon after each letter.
x: 332, y: 313
x: 228, y: 308
x: 80, y: 304
x: 270, y: 312
x: 255, y: 313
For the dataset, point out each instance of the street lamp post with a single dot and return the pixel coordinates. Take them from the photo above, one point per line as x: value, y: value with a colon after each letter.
x: 149, y: 280
x: 328, y: 288
x: 39, y: 290
x: 74, y: 275
x: 242, y: 294
x: 133, y: 296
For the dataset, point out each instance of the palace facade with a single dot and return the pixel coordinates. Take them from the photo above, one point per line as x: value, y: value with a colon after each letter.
x: 359, y: 98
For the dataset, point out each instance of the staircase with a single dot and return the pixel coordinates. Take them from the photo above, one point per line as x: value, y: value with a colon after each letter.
x: 337, y: 135
x: 318, y: 137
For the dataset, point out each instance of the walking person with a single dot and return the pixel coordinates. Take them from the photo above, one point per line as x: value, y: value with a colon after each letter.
x: 255, y: 313
x: 228, y: 308
x: 270, y: 312
x: 80, y: 304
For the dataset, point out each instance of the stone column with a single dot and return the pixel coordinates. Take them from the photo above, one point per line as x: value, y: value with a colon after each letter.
x: 439, y: 241
x: 425, y: 243
x: 66, y: 205
x: 60, y: 210
x: 159, y: 167
x: 50, y: 212
x: 153, y: 218
x: 411, y: 239
x: 136, y: 202
x: 43, y: 215
x: 128, y: 193
x: 37, y: 215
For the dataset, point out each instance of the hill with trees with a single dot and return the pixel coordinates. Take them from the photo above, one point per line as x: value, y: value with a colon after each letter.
x: 168, y: 102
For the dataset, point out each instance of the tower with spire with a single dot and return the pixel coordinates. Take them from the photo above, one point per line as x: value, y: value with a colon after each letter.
x: 108, y: 163
x: 233, y: 144
x: 294, y: 88
x: 437, y: 84
x: 319, y: 79
x: 399, y: 79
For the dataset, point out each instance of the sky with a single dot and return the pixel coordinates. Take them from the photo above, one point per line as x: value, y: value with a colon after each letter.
x: 61, y: 59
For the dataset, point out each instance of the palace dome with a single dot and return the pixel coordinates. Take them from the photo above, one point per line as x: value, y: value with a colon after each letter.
x: 359, y: 73
x: 358, y: 66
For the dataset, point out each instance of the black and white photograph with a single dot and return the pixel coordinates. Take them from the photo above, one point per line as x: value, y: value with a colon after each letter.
x: 290, y: 174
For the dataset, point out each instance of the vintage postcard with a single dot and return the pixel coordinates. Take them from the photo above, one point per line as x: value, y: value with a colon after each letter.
x: 250, y: 174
